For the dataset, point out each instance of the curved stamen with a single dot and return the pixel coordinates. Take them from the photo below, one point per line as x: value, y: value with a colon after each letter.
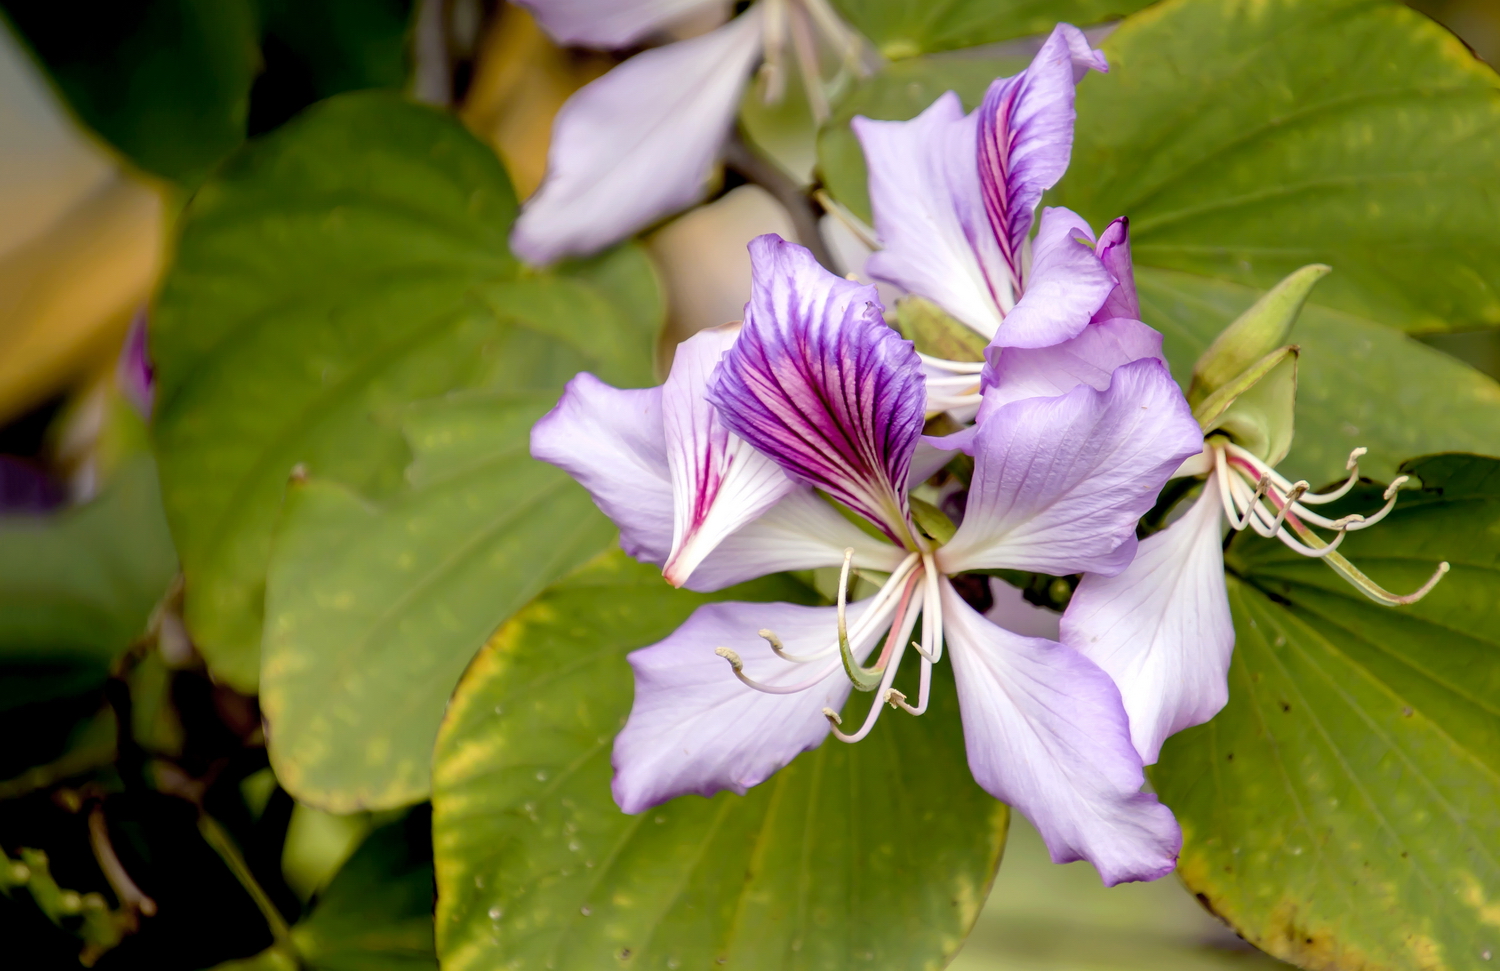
x: 738, y: 665
x: 1373, y: 590
x: 1286, y: 503
x: 1261, y: 520
x: 879, y: 607
x: 885, y: 694
x: 865, y: 679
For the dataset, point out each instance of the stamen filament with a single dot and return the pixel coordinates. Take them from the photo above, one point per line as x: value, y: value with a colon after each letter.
x: 864, y: 679
x: 879, y: 607
x: 885, y: 694
x: 737, y: 664
x: 955, y: 367
x: 1373, y: 590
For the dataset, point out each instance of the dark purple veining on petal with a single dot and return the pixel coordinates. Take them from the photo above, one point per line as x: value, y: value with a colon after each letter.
x: 819, y: 383
x: 1026, y: 137
x: 1113, y: 250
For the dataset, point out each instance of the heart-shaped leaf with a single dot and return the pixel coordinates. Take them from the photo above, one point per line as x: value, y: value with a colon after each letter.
x: 870, y: 855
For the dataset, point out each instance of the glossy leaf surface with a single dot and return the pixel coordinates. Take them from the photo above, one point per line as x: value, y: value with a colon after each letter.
x: 871, y: 855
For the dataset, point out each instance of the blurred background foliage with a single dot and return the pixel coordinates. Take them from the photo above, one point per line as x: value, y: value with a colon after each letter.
x: 143, y: 822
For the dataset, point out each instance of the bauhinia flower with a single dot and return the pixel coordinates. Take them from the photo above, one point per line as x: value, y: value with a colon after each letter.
x: 816, y: 404
x: 1161, y: 627
x: 640, y: 143
x: 954, y: 198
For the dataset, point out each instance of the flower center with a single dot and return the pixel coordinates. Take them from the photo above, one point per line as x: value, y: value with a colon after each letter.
x: 1254, y: 495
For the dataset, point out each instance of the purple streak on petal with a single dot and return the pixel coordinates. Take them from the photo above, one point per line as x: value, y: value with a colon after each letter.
x: 1113, y: 250
x: 1161, y: 629
x: 637, y: 144
x: 819, y: 383
x: 924, y: 190
x: 801, y: 532
x: 606, y: 24
x: 134, y: 374
x: 695, y: 728
x: 1013, y: 373
x: 1026, y: 137
x: 1059, y: 483
x: 1065, y: 288
x: 613, y: 443
x: 1046, y: 732
x: 719, y: 483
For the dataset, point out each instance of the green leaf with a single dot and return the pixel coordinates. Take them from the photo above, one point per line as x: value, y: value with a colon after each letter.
x: 1358, y: 383
x: 167, y: 82
x: 373, y: 612
x: 934, y: 332
x: 1340, y: 812
x: 77, y: 587
x: 349, y: 264
x: 1245, y: 140
x: 375, y: 915
x: 902, y: 28
x: 901, y: 90
x: 870, y: 855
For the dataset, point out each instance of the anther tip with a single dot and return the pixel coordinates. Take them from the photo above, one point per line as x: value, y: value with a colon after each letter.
x: 731, y: 657
x: 894, y: 698
x: 832, y: 716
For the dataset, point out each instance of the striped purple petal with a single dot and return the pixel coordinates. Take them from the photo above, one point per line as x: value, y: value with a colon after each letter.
x: 1113, y: 250
x: 1026, y: 136
x: 819, y: 383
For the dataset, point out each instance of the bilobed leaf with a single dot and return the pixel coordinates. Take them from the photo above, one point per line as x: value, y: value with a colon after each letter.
x: 1340, y: 812
x: 374, y: 611
x: 877, y: 854
x: 902, y: 28
x: 77, y: 587
x: 1358, y: 383
x: 165, y: 81
x: 1245, y: 140
x: 351, y: 263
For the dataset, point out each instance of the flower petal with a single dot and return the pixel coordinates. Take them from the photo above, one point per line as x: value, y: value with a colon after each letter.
x: 929, y: 214
x: 801, y: 532
x: 1065, y: 288
x: 818, y: 382
x: 605, y: 24
x: 1025, y: 137
x: 719, y: 483
x: 613, y: 443
x: 1059, y: 483
x: 1013, y: 373
x: 694, y: 727
x: 1046, y: 732
x: 637, y: 144
x: 1113, y: 250
x: 1161, y: 629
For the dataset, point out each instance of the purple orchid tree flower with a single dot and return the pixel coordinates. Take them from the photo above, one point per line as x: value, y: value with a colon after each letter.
x: 640, y: 143
x: 1161, y: 628
x: 816, y: 385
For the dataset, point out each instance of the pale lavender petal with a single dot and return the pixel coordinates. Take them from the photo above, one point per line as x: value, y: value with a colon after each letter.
x: 1046, y: 732
x: 1113, y: 250
x: 637, y: 144
x: 932, y: 454
x: 719, y: 483
x: 1066, y: 286
x: 606, y: 24
x: 1161, y: 629
x: 694, y: 727
x: 801, y: 532
x: 1025, y: 137
x: 818, y: 382
x: 929, y: 214
x: 613, y: 443
x: 1013, y: 373
x: 1059, y: 483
